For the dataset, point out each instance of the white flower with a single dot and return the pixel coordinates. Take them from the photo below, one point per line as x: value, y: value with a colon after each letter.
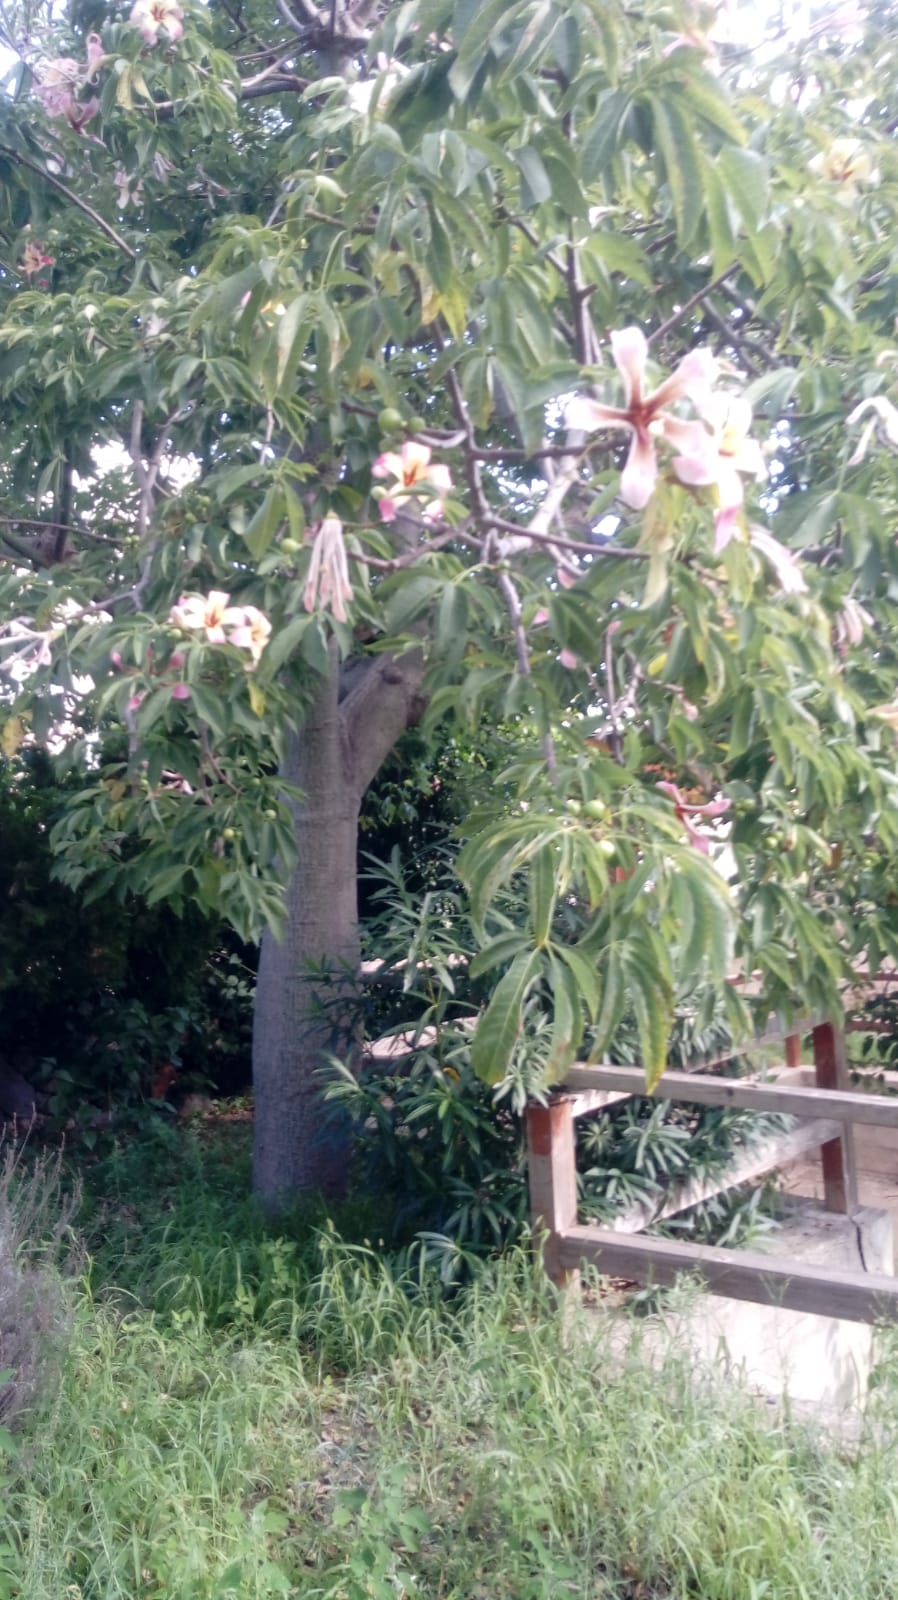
x: 846, y: 163
x: 368, y: 96
x: 150, y: 17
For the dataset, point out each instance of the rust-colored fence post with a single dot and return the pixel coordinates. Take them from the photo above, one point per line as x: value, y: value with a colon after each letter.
x: 793, y: 1049
x: 837, y: 1155
x: 552, y: 1171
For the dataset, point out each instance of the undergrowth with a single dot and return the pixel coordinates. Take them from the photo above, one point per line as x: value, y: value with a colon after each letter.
x: 248, y: 1413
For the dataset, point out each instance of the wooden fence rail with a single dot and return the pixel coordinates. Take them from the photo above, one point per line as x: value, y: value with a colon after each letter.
x: 828, y: 1111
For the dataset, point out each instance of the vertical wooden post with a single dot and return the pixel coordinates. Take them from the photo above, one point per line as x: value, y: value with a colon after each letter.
x: 837, y: 1156
x: 553, y: 1177
x: 793, y: 1049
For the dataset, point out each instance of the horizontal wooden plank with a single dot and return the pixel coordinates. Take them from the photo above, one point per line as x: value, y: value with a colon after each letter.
x: 739, y: 1274
x: 768, y: 1155
x: 848, y: 1106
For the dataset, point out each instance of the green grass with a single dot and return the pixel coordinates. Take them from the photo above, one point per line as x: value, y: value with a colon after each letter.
x: 247, y: 1414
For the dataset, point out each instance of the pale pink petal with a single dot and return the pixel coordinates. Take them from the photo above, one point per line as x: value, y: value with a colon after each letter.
x: 690, y: 438
x: 672, y: 790
x: 540, y: 618
x: 783, y: 562
x: 697, y: 471
x: 640, y: 474
x: 439, y: 477
x: 588, y: 416
x: 181, y: 691
x: 568, y: 660
x: 388, y: 508
x: 389, y: 465
x: 725, y: 525
x: 631, y: 352
x: 749, y: 459
x: 696, y: 839
x: 415, y: 461
x: 566, y: 578
x: 729, y: 483
x: 692, y: 380
x: 216, y: 634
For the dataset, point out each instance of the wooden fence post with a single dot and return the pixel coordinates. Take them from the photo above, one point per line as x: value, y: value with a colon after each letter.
x: 837, y: 1155
x: 793, y: 1049
x: 553, y: 1178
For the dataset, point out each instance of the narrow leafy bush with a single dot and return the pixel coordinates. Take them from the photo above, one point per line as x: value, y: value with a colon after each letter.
x: 37, y: 1248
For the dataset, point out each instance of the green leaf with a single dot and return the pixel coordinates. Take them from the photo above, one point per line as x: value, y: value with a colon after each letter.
x: 567, y: 1030
x: 265, y: 523
x: 499, y: 1027
x: 605, y: 135
x: 503, y: 948
x: 747, y: 180
x: 283, y: 643
x: 535, y: 182
x: 682, y: 167
x: 585, y: 972
x: 543, y: 888
x: 291, y: 340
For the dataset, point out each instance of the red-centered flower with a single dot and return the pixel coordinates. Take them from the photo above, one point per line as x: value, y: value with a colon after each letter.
x: 412, y: 470
x: 685, y: 812
x: 643, y: 414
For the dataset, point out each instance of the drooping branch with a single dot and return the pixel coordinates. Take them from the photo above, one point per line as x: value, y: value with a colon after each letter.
x: 53, y: 182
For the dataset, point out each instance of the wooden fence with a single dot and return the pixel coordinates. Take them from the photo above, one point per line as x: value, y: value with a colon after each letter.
x: 827, y: 1112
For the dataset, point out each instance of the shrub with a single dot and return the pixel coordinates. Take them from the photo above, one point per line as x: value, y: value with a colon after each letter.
x: 37, y: 1248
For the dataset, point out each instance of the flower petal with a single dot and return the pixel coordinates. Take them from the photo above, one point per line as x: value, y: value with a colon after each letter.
x: 631, y: 352
x: 640, y: 473
x: 692, y: 380
x: 590, y: 415
x: 389, y: 465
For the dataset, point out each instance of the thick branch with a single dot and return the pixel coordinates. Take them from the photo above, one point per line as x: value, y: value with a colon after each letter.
x: 380, y: 705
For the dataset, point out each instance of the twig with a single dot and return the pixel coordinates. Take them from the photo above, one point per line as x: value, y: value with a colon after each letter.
x: 513, y: 606
x: 73, y: 199
x: 479, y: 502
x: 532, y: 238
x: 690, y: 304
x: 310, y: 12
x: 578, y: 545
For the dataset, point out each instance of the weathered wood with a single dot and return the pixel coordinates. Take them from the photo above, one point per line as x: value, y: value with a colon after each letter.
x: 552, y: 1171
x: 766, y: 1156
x: 739, y: 1274
x: 585, y: 1100
x: 838, y: 1105
x: 837, y: 1155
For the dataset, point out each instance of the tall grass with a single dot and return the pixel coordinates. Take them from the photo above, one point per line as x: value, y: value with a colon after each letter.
x: 246, y: 1415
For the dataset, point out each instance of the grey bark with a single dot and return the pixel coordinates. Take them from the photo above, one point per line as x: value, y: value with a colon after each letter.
x: 300, y: 1017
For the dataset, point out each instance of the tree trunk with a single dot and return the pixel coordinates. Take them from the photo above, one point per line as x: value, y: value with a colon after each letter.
x: 305, y: 998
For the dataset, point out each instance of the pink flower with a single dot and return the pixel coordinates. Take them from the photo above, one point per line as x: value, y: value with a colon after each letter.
x: 328, y: 580
x: 252, y: 633
x: 211, y: 612
x: 180, y: 691
x: 723, y: 458
x: 150, y: 17
x: 410, y: 467
x: 643, y: 414
x: 137, y: 700
x: 567, y: 659
x: 34, y: 256
x: 56, y: 83
x: 685, y: 812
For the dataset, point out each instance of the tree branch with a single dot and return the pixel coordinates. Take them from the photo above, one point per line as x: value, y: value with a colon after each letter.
x: 690, y: 304
x: 379, y: 707
x: 73, y: 199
